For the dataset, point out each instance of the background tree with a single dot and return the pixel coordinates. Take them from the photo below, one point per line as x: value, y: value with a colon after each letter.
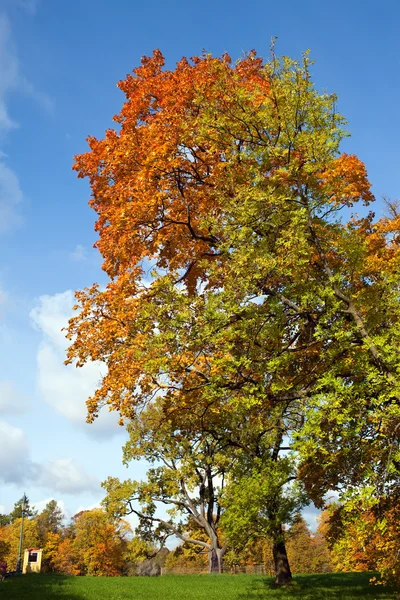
x: 62, y: 556
x: 10, y: 535
x: 16, y: 512
x: 307, y: 552
x: 49, y: 520
x: 94, y: 544
x: 255, y: 552
x: 143, y: 558
x: 100, y: 542
x: 365, y: 539
x: 187, y: 478
x: 4, y: 548
x: 187, y: 558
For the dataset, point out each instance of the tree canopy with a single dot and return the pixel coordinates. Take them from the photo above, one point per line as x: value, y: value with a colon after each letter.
x: 243, y: 298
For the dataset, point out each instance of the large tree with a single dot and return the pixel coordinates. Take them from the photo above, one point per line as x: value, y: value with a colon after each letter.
x: 237, y: 297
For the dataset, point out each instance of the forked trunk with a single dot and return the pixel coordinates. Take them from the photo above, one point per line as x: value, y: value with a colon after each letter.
x: 215, y: 560
x: 283, y: 574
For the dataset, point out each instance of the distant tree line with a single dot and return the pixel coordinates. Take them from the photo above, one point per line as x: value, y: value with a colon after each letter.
x: 94, y: 543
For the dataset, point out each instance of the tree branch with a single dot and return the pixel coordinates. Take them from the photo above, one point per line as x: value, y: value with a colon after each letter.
x: 172, y: 528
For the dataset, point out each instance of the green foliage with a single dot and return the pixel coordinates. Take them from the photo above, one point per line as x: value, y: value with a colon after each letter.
x: 49, y: 520
x: 257, y: 503
x: 10, y: 535
x: 5, y: 520
x: 185, y: 478
x: 267, y: 318
x: 16, y: 512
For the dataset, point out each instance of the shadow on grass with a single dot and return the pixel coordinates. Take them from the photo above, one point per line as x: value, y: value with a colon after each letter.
x: 330, y: 586
x: 38, y: 587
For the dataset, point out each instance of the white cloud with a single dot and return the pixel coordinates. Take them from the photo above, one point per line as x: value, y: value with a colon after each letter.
x: 15, y: 463
x: 62, y: 475
x: 41, y: 98
x: 51, y: 315
x: 10, y: 190
x: 310, y: 515
x: 65, y: 476
x: 12, y: 79
x: 11, y: 399
x: 41, y: 504
x: 79, y: 254
x: 66, y: 388
x: 81, y: 508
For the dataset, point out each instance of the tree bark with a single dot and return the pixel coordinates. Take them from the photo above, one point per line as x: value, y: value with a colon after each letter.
x: 215, y: 560
x: 283, y: 574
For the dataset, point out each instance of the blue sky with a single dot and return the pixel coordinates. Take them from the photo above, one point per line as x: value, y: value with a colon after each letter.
x: 59, y: 64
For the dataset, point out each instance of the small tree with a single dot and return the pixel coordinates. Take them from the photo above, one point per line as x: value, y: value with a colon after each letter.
x: 16, y: 512
x: 187, y: 478
x: 100, y: 542
x: 258, y: 504
x: 10, y: 535
x: 49, y: 520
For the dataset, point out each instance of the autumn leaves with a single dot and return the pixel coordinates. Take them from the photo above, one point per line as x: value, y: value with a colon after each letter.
x: 240, y: 307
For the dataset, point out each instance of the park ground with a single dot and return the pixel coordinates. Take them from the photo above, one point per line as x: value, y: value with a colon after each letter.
x: 338, y: 586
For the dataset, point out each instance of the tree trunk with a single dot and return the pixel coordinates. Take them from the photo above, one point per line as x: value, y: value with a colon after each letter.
x: 281, y: 563
x: 215, y: 560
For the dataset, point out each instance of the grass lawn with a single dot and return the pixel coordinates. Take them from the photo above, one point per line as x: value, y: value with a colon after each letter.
x: 338, y: 586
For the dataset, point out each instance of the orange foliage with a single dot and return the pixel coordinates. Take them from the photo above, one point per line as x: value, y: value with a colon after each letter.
x: 307, y: 553
x: 366, y: 540
x: 166, y: 185
x: 138, y: 174
x: 94, y: 545
x: 345, y: 179
x: 99, y: 542
x: 62, y: 555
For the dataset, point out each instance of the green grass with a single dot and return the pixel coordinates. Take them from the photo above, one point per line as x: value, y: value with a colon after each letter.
x: 338, y: 586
